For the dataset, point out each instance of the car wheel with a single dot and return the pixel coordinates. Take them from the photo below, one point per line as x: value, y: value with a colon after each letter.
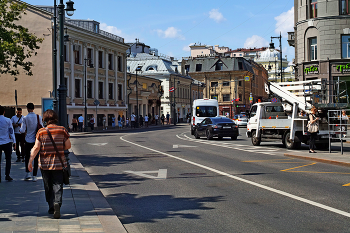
x: 255, y: 140
x: 234, y: 137
x: 209, y: 135
x: 196, y: 136
x: 290, y: 144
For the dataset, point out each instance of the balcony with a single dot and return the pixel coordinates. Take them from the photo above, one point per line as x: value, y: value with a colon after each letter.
x: 291, y: 39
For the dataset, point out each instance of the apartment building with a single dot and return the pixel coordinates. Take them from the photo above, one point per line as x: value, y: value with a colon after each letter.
x: 94, y: 62
x: 322, y: 43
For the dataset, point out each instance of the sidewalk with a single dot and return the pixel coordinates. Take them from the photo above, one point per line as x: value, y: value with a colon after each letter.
x: 23, y: 207
x: 323, y: 156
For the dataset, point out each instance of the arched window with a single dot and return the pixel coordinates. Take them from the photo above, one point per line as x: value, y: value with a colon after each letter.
x: 152, y: 67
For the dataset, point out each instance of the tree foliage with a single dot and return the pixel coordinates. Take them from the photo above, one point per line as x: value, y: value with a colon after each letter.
x: 17, y: 44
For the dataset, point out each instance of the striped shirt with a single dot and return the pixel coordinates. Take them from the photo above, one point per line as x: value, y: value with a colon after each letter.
x: 48, y: 159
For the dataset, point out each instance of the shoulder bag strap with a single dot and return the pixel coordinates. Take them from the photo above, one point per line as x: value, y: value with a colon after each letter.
x: 54, y: 145
x: 19, y: 119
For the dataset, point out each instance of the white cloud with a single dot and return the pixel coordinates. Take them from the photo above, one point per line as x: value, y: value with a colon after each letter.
x: 116, y: 31
x: 170, y: 32
x: 187, y: 47
x: 285, y: 22
x: 216, y: 15
x: 255, y: 41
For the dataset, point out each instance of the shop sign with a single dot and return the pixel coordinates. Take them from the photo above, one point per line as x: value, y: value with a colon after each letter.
x: 311, y: 70
x: 343, y: 68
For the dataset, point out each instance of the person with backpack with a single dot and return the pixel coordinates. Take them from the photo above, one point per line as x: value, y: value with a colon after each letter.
x: 31, y: 124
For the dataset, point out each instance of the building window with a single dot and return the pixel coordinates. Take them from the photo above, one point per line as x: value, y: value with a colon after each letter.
x: 240, y: 97
x: 313, y: 9
x: 240, y: 65
x: 120, y: 92
x: 345, y: 39
x: 218, y: 66
x: 344, y: 7
x: 89, y: 57
x: 110, y: 91
x: 226, y: 97
x: 187, y: 68
x: 226, y: 84
x: 198, y: 67
x: 100, y: 59
x: 240, y: 83
x: 120, y: 64
x: 313, y: 48
x: 89, y: 89
x: 77, y: 88
x: 76, y: 54
x: 110, y: 61
x: 214, y: 84
x: 100, y: 90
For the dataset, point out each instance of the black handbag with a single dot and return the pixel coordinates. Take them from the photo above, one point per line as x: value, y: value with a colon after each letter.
x: 65, y: 169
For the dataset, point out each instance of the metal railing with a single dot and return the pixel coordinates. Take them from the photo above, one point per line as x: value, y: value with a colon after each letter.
x: 337, y: 126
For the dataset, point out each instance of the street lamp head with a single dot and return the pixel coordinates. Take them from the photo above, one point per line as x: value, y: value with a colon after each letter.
x: 272, y: 47
x: 70, y: 9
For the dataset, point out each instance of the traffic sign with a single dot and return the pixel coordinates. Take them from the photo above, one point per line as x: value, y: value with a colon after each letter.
x: 246, y: 78
x: 274, y: 100
x: 250, y: 98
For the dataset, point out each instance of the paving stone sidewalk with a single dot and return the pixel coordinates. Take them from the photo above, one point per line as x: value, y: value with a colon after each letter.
x: 23, y: 207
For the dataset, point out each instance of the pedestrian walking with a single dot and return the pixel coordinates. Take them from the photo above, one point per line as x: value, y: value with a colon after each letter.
x: 168, y: 118
x: 127, y: 122
x: 141, y: 121
x: 50, y: 162
x: 7, y: 137
x: 156, y: 118
x: 81, y: 123
x: 16, y: 123
x: 162, y: 118
x: 104, y: 121
x: 31, y: 124
x: 92, y: 123
x: 75, y: 124
x: 123, y: 121
x: 146, y: 121
x: 132, y: 119
x: 313, y: 129
x: 113, y: 121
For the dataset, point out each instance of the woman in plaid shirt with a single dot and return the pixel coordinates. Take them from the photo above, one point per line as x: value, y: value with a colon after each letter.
x: 49, y: 162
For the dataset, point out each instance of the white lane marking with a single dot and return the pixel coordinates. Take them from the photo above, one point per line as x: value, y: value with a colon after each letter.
x: 313, y: 203
x: 98, y: 144
x: 230, y: 146
x: 161, y: 174
x: 178, y: 146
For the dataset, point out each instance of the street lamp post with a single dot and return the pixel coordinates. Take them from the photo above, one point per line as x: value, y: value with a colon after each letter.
x: 174, y: 118
x: 137, y: 99
x: 85, y: 92
x: 62, y: 90
x: 272, y: 47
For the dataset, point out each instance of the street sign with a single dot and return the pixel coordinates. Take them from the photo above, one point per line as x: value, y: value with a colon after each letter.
x: 246, y: 78
x: 274, y: 100
x: 96, y: 102
x: 250, y: 98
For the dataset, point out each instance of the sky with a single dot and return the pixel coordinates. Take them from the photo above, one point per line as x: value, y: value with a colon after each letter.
x: 171, y: 26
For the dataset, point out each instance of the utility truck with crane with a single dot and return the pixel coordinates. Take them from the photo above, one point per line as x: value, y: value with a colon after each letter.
x: 281, y: 120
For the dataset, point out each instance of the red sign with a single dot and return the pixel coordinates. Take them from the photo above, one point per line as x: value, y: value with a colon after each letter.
x: 172, y: 89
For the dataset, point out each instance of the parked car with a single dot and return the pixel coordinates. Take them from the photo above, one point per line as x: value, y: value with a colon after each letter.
x: 216, y: 127
x: 241, y: 120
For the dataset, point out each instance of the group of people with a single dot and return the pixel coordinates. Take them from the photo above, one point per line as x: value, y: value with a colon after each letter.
x: 35, y: 144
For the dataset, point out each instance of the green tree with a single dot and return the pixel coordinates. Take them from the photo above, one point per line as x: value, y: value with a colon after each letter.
x: 17, y: 44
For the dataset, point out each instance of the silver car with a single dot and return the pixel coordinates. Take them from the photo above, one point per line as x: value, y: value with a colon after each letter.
x: 241, y: 120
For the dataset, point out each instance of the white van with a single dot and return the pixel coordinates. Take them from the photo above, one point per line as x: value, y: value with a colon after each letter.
x: 203, y: 108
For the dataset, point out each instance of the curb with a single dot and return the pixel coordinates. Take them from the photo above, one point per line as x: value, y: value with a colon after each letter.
x: 345, y: 164
x: 109, y: 221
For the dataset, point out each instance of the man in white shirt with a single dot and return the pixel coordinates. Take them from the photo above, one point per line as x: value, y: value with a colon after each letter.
x: 146, y: 120
x: 156, y: 118
x: 7, y: 137
x: 81, y: 123
x: 30, y: 124
x: 16, y: 123
x: 132, y: 119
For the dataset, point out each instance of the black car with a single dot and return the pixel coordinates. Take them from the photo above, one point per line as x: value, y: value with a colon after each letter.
x: 216, y: 127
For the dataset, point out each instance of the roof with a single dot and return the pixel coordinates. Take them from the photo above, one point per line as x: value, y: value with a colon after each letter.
x: 247, y: 50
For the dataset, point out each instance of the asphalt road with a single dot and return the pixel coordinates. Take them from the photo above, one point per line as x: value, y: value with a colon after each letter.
x: 164, y: 180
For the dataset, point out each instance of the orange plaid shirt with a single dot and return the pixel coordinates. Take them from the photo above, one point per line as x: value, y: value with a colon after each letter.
x: 48, y: 159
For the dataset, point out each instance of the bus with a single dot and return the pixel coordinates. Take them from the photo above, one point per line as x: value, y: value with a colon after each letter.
x: 201, y: 109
